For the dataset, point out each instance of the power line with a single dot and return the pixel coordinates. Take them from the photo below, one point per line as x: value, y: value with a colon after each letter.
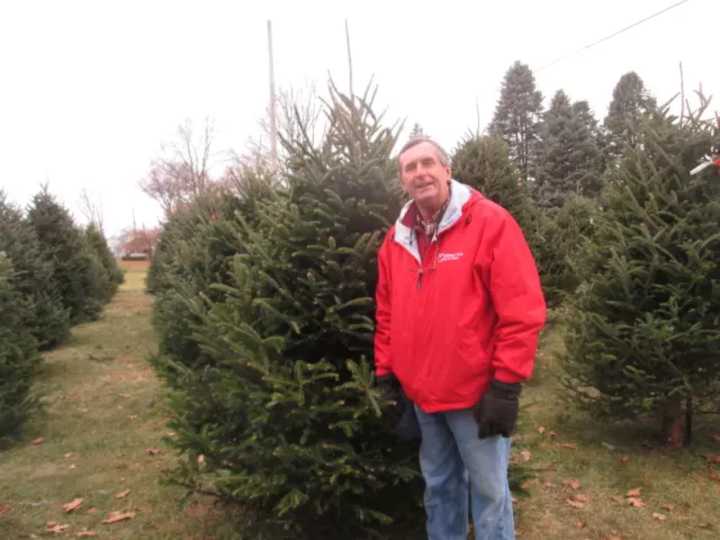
x: 606, y: 38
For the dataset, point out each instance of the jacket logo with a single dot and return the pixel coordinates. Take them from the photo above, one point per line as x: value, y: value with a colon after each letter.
x: 445, y: 257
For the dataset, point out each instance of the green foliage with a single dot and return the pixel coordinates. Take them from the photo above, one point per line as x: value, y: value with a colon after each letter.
x: 279, y: 399
x: 96, y: 241
x: 18, y: 354
x: 33, y: 277
x: 78, y: 273
x: 645, y: 328
x: 570, y: 160
x: 517, y: 117
x: 631, y: 102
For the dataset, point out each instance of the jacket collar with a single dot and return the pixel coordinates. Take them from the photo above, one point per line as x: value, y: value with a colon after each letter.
x: 460, y: 194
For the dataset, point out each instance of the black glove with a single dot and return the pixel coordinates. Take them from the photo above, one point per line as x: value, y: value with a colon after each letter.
x: 497, y: 411
x: 400, y: 414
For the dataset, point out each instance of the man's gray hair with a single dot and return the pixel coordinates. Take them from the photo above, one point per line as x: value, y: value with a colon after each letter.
x: 442, y: 155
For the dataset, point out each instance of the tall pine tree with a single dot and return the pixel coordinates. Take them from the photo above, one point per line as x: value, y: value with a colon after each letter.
x: 631, y: 101
x: 570, y: 160
x: 644, y: 336
x: 517, y: 117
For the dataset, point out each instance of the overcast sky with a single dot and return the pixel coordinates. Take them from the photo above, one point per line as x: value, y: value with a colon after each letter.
x: 91, y: 90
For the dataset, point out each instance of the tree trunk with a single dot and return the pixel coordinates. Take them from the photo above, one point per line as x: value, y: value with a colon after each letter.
x: 676, y: 417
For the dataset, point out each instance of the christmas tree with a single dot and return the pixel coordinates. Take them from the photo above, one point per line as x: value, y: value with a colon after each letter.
x: 644, y: 334
x: 282, y: 416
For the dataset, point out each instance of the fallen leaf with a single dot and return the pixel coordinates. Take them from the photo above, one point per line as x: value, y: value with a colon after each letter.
x: 68, y: 455
x: 571, y: 446
x: 714, y: 476
x: 92, y: 510
x: 122, y: 494
x: 201, y: 459
x: 714, y: 458
x: 659, y: 516
x: 581, y: 498
x: 85, y: 534
x: 526, y: 455
x: 575, y: 504
x: 635, y: 492
x: 541, y: 430
x: 552, y: 434
x: 72, y: 466
x: 667, y: 506
x: 4, y: 509
x: 152, y: 451
x: 573, y: 483
x: 548, y: 485
x: 581, y: 524
x: 618, y: 499
x: 636, y: 502
x: 114, y: 517
x: 72, y: 505
x: 624, y: 459
x: 56, y: 528
x: 39, y: 440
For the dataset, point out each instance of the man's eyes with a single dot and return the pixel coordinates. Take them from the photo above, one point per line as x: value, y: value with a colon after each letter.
x: 410, y: 167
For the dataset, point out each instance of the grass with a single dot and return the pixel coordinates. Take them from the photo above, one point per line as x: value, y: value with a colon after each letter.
x: 104, y: 422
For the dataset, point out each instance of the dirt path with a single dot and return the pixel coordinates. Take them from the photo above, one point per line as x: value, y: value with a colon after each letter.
x: 99, y: 438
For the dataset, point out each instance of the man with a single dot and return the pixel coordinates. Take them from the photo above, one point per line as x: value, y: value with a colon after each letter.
x: 459, y: 310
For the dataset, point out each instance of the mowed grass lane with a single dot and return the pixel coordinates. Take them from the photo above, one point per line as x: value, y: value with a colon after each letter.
x: 100, y: 437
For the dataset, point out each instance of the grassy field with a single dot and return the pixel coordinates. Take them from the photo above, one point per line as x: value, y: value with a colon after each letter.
x: 100, y: 440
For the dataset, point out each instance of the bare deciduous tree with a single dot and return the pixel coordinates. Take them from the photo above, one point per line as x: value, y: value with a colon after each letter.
x: 91, y: 210
x: 183, y: 172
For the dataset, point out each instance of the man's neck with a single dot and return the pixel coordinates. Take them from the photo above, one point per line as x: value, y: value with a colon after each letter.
x: 429, y: 212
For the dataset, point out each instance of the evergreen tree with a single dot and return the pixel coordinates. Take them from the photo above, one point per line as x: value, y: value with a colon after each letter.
x: 517, y: 117
x: 77, y: 273
x: 47, y: 320
x: 96, y: 241
x: 18, y: 354
x: 645, y: 330
x: 630, y: 103
x: 569, y: 154
x: 282, y: 410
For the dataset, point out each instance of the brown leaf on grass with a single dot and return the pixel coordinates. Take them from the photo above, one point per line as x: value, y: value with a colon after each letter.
x: 575, y: 504
x: 635, y: 492
x: 659, y: 516
x: 624, y: 459
x: 56, y: 528
x: 85, y: 534
x: 578, y: 501
x: 92, y: 510
x: 572, y: 483
x: 541, y: 430
x: 570, y: 446
x: 581, y: 524
x: 636, y: 502
x: 122, y: 494
x: 4, y: 509
x: 152, y: 451
x: 552, y: 434
x: 72, y: 505
x: 114, y: 517
x: 526, y: 455
x: 68, y: 455
x: 714, y: 459
x: 667, y: 507
x: 38, y: 441
x: 618, y: 499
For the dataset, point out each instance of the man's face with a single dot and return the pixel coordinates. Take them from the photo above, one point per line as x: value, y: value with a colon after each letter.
x: 423, y: 177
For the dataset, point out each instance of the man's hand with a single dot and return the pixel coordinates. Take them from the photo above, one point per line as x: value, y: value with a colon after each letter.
x: 497, y: 411
x: 399, y: 414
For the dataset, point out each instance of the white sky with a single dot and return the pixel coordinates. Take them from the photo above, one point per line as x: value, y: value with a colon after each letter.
x: 91, y: 90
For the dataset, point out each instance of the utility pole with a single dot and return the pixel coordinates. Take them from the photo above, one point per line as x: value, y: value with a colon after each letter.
x: 273, y: 117
x: 350, y: 69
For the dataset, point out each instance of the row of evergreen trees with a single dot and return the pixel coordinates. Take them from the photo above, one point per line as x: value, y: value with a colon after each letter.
x: 53, y: 274
x: 264, y: 303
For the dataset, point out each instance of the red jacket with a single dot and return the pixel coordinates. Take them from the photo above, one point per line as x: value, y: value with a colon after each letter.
x: 469, y: 312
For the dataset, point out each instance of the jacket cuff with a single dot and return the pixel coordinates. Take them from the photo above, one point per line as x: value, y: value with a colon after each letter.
x: 507, y: 376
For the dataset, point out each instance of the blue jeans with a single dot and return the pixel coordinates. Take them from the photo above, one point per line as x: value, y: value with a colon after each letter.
x: 458, y: 466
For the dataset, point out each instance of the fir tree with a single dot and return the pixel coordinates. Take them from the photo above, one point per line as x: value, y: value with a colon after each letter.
x: 96, y: 241
x: 77, y: 273
x: 645, y: 330
x: 630, y: 103
x: 569, y: 155
x: 517, y: 117
x: 47, y: 320
x: 283, y: 410
x: 18, y: 354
